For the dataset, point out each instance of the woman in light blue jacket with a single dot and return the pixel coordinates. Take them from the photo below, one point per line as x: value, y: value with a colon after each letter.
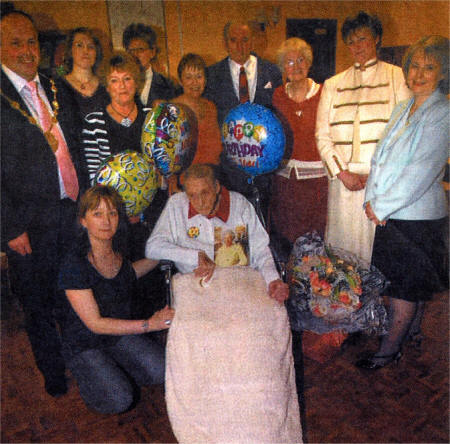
x: 405, y: 198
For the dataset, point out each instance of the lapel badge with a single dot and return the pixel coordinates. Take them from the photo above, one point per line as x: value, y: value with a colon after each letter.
x: 193, y: 232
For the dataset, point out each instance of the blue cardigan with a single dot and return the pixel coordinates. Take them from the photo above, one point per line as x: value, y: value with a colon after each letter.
x: 408, y: 164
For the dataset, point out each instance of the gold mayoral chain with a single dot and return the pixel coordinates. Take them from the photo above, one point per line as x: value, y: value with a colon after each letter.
x: 51, y: 139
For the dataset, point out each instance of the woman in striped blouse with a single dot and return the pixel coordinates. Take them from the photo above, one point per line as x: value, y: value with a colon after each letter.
x: 117, y: 126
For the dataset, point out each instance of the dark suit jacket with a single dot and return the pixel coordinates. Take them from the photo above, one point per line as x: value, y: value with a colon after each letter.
x: 219, y: 87
x: 29, y: 171
x: 161, y: 88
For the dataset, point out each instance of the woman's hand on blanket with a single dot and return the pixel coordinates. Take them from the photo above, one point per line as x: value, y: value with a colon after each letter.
x: 205, y: 267
x: 161, y: 319
x: 278, y: 290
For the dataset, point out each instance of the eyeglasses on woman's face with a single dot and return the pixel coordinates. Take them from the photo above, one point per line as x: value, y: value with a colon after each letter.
x: 298, y: 61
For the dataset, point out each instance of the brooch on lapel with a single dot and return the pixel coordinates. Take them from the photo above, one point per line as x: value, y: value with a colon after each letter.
x: 193, y: 232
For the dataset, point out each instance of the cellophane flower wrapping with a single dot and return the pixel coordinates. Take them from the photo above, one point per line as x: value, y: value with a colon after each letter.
x: 332, y: 289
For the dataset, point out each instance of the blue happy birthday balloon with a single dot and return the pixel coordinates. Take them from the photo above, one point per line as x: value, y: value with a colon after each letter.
x: 253, y: 139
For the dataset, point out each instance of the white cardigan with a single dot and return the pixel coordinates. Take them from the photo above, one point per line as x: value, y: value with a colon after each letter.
x: 171, y: 240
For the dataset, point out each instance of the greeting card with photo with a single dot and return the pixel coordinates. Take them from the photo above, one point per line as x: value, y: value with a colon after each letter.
x: 231, y: 246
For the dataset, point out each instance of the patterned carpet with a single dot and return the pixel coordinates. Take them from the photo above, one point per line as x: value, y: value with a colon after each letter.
x: 406, y: 403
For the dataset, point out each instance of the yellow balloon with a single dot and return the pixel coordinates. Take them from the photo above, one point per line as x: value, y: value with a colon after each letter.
x: 132, y: 177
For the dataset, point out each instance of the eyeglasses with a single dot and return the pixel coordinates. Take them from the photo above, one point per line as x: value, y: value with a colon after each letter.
x: 134, y: 51
x: 291, y: 63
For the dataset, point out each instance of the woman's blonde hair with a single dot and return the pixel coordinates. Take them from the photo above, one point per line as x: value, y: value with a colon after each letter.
x: 434, y: 46
x: 294, y: 44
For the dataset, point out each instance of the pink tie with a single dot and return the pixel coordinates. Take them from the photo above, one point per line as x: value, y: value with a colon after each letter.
x: 65, y: 164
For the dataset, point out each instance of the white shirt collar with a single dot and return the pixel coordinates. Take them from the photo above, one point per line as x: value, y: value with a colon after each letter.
x: 313, y: 90
x: 18, y: 81
x: 149, y: 73
x: 147, y: 85
x: 369, y: 64
x: 249, y: 65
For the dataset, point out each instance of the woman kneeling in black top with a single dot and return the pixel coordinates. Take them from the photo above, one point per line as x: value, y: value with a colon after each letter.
x: 101, y: 343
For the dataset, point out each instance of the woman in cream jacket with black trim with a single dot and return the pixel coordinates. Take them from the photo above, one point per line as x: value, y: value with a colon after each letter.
x: 353, y: 111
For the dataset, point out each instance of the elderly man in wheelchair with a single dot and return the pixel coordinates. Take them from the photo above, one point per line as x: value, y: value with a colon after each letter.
x: 229, y: 367
x: 188, y: 226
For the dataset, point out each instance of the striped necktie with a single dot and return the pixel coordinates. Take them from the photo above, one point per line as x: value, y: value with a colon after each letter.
x: 243, y: 86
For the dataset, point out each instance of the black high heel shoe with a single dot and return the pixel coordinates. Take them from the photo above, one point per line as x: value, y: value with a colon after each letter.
x: 374, y: 362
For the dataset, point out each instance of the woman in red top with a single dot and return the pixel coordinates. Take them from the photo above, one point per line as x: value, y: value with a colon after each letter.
x: 192, y: 75
x: 299, y: 196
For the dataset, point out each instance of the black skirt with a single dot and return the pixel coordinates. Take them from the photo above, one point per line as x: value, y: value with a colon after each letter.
x: 413, y: 256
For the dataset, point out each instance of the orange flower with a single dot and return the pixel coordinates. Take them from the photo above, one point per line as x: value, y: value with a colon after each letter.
x: 344, y: 297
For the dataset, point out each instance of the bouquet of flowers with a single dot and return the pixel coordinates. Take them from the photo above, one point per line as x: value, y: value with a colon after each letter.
x: 335, y: 285
x: 332, y: 289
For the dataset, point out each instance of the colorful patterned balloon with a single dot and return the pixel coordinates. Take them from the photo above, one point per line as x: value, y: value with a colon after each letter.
x: 132, y: 177
x: 169, y: 138
x: 253, y: 139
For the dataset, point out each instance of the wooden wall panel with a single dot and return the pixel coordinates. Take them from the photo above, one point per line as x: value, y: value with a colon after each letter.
x: 196, y: 26
x: 67, y: 14
x: 199, y: 24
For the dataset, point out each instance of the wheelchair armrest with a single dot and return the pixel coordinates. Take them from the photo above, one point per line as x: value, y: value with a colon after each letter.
x: 281, y: 267
x: 167, y: 267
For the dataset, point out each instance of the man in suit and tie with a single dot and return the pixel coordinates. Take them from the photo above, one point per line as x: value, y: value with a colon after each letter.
x: 42, y: 175
x: 224, y: 77
x: 239, y: 78
x: 140, y: 41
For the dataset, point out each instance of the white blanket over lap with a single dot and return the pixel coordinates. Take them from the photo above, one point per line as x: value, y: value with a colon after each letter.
x: 229, y: 369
